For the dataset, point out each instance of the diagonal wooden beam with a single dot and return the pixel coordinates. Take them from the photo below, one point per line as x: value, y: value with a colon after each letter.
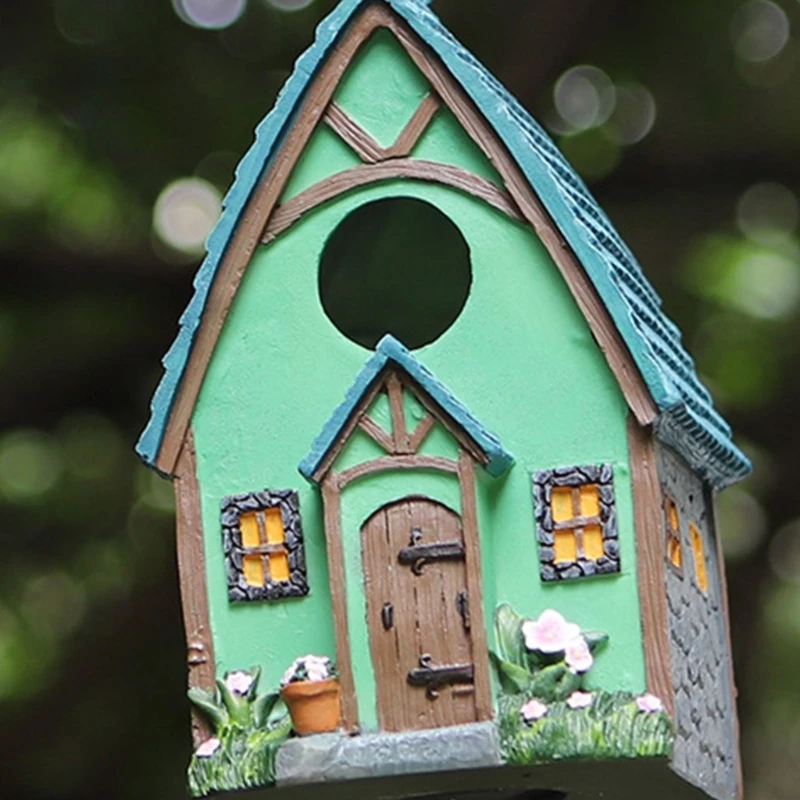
x: 367, y: 149
x: 350, y: 132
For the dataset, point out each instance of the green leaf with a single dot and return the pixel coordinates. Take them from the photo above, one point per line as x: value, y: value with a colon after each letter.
x: 262, y: 708
x: 595, y: 639
x: 546, y: 683
x: 206, y: 703
x: 514, y: 679
x: 255, y: 673
x: 508, y: 629
x: 238, y: 707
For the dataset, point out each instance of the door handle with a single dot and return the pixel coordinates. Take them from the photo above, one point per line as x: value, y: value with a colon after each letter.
x: 387, y: 616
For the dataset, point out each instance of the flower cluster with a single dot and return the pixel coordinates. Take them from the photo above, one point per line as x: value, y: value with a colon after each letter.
x: 551, y: 634
x: 309, y: 668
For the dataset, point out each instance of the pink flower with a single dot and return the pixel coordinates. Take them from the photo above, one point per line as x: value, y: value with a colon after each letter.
x: 579, y: 700
x: 579, y: 656
x: 533, y: 710
x: 208, y: 748
x: 649, y: 704
x: 551, y: 633
x: 239, y: 682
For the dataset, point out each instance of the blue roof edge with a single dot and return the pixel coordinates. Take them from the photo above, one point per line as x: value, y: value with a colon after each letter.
x: 255, y: 163
x: 390, y: 350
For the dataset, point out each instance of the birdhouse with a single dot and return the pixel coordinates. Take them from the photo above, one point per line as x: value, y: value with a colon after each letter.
x: 445, y: 474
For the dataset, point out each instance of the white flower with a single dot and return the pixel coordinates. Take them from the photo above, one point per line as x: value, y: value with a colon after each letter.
x: 579, y: 700
x: 533, y: 710
x: 239, y: 682
x: 579, y: 656
x: 551, y: 633
x: 208, y: 748
x: 649, y: 704
x: 310, y: 668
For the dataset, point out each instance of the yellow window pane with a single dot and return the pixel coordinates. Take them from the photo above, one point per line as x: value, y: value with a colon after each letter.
x: 699, y: 558
x: 674, y: 522
x: 279, y: 567
x: 254, y: 570
x: 674, y: 552
x: 593, y: 542
x: 566, y: 547
x: 590, y: 501
x: 562, y: 504
x: 275, y: 532
x: 249, y: 525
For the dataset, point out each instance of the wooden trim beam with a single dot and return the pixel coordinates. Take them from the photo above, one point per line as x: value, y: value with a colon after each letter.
x: 651, y: 562
x: 368, y: 150
x: 353, y: 135
x: 376, y: 433
x: 399, y: 434
x: 332, y: 510
x: 480, y: 646
x: 194, y: 589
x: 416, y: 127
x: 594, y: 311
x: 388, y: 463
x: 400, y: 168
x: 250, y: 229
x: 424, y: 427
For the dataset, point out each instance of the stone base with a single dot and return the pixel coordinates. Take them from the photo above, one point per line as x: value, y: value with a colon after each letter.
x: 335, y: 757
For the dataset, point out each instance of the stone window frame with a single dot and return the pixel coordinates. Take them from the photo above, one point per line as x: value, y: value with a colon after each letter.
x: 233, y: 508
x: 544, y: 481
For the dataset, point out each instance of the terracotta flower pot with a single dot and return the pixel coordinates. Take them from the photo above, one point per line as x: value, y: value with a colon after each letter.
x: 315, y: 706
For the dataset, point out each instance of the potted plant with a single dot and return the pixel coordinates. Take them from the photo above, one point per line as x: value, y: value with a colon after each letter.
x: 310, y: 689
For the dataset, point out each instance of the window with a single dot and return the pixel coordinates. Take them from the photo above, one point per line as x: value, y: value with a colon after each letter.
x: 263, y: 542
x: 674, y: 549
x: 396, y: 266
x: 576, y: 522
x: 698, y: 551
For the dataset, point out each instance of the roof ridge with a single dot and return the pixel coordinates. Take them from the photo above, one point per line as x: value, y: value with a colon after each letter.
x: 631, y: 300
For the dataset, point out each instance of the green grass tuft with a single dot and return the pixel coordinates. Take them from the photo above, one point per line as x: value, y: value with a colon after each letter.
x: 246, y: 759
x: 612, y: 727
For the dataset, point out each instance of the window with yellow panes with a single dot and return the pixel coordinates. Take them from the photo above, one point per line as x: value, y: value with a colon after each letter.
x: 699, y: 553
x: 674, y: 546
x: 263, y: 542
x: 576, y: 522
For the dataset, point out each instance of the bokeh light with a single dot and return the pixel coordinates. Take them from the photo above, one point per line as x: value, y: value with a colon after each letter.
x: 635, y: 114
x: 585, y: 97
x: 784, y: 553
x: 289, y: 5
x: 185, y: 213
x: 743, y: 523
x: 30, y: 465
x: 758, y: 280
x: 210, y: 14
x: 768, y: 213
x: 87, y: 22
x: 760, y: 30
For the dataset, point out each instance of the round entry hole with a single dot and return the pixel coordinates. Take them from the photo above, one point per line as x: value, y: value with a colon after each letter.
x: 396, y: 266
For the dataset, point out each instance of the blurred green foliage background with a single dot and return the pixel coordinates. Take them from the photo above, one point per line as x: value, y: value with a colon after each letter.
x: 120, y: 125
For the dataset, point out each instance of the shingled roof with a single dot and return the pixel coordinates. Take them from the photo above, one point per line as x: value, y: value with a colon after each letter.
x: 687, y: 421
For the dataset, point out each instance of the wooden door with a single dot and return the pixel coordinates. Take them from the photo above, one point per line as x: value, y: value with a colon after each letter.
x: 418, y: 616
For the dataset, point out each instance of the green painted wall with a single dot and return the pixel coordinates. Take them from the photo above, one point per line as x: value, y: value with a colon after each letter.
x: 520, y: 356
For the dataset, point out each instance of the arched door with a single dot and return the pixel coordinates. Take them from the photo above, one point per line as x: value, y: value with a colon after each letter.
x: 418, y: 616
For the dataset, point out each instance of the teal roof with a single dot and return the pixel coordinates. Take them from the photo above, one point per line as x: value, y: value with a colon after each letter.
x: 391, y: 351
x: 688, y: 420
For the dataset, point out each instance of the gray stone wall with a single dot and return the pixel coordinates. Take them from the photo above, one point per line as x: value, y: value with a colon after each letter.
x: 704, y: 706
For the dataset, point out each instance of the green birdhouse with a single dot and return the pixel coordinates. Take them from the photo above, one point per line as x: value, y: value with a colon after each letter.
x: 445, y: 474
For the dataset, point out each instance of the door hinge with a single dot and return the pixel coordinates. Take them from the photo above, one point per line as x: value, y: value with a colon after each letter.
x: 387, y: 616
